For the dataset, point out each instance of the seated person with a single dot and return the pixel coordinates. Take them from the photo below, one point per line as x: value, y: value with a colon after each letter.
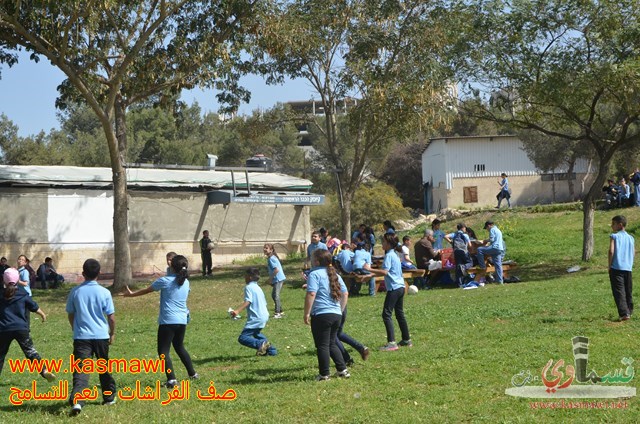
x: 405, y: 260
x: 344, y: 260
x: 361, y: 256
x: 3, y: 265
x: 48, y: 276
x: 611, y: 193
x: 424, y: 252
x: 624, y: 193
x: 332, y: 243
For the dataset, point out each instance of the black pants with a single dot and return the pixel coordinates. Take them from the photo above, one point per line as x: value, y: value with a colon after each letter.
x: 344, y: 337
x: 24, y: 340
x: 83, y: 349
x: 394, y: 302
x: 173, y: 334
x: 207, y: 263
x: 463, y: 262
x: 324, y: 328
x: 621, y: 286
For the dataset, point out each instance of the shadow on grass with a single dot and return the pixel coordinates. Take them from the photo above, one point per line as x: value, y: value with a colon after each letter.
x: 48, y: 408
x: 272, y: 375
x: 218, y: 359
x: 544, y: 272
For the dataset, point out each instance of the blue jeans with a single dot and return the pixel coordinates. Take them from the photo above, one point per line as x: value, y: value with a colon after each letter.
x: 253, y: 338
x: 636, y: 189
x: 275, y: 295
x: 496, y: 254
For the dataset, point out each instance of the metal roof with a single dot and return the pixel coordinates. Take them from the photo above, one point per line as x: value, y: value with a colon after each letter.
x: 73, y: 176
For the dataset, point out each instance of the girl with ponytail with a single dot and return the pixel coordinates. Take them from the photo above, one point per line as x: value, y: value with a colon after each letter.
x: 325, y: 300
x: 174, y: 315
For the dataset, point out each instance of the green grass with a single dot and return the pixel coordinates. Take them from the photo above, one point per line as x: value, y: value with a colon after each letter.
x: 467, y: 344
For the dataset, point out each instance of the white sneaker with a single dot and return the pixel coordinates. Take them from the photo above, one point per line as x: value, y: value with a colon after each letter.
x: 77, y: 408
x: 278, y: 315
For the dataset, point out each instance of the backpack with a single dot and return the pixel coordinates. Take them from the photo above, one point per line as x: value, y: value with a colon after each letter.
x: 459, y: 243
x: 32, y: 275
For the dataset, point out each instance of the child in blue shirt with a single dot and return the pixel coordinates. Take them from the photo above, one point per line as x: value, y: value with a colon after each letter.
x: 173, y: 317
x: 323, y: 305
x: 92, y: 318
x: 362, y: 260
x: 392, y: 272
x: 257, y: 316
x: 276, y: 277
x: 345, y: 258
x: 438, y: 234
x: 15, y: 304
x: 621, y: 252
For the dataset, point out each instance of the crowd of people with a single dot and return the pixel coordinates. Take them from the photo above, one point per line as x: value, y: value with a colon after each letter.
x: 620, y: 195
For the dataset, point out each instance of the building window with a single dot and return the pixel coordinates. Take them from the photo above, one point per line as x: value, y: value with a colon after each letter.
x: 470, y: 194
x: 478, y: 167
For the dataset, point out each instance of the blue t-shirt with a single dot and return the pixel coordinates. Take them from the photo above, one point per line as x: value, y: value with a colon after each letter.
x: 24, y: 276
x: 361, y: 257
x: 257, y: 313
x: 272, y: 263
x: 438, y: 235
x: 90, y: 303
x: 13, y: 312
x: 505, y: 184
x: 624, y: 250
x: 345, y: 258
x: 393, y: 280
x: 318, y: 283
x: 495, y: 238
x: 173, y: 300
x: 320, y: 245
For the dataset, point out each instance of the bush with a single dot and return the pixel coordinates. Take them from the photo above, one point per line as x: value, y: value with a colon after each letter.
x: 373, y: 203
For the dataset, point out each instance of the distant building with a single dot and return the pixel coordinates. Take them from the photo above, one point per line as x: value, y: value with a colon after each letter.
x: 67, y: 213
x: 462, y: 172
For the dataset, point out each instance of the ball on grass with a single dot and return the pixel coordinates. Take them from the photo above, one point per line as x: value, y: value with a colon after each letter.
x: 413, y: 289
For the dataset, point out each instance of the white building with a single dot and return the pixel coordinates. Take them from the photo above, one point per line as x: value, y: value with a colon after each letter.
x: 462, y: 173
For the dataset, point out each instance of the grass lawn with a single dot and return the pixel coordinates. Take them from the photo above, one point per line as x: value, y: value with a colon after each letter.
x: 468, y: 344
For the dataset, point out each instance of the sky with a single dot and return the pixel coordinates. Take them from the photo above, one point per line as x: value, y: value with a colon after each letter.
x: 28, y: 94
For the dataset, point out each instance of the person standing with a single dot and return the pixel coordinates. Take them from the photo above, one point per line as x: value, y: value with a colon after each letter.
x: 315, y: 244
x: 276, y: 277
x: 205, y: 253
x: 325, y: 300
x: 504, y: 190
x: 394, y: 300
x: 621, y: 252
x: 14, y: 306
x: 173, y: 317
x: 635, y: 179
x: 461, y: 244
x: 92, y: 318
x: 494, y: 247
x: 438, y: 234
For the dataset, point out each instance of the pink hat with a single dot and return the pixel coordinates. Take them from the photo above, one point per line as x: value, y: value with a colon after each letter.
x: 11, y: 276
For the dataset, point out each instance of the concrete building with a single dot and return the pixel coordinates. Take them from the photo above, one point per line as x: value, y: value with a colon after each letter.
x: 67, y: 213
x: 462, y: 173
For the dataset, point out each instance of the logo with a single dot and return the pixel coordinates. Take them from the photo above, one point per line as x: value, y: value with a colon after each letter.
x: 562, y: 380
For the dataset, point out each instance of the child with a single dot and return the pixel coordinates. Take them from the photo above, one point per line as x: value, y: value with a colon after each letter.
x: 13, y: 322
x: 92, y: 318
x: 173, y: 317
x: 257, y: 316
x: 621, y: 252
x: 405, y: 260
x: 276, y: 277
x: 315, y: 244
x: 170, y: 256
x: 392, y: 272
x: 345, y: 258
x: 323, y: 305
x: 438, y: 234
x: 362, y: 258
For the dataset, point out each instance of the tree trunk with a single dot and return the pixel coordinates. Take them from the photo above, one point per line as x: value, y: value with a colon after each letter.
x: 572, y: 191
x: 122, y: 264
x: 345, y: 216
x: 589, y: 207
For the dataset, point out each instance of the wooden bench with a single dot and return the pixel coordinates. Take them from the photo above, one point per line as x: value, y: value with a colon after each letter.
x: 506, y: 267
x: 407, y: 274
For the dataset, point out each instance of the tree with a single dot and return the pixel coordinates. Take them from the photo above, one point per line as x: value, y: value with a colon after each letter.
x: 119, y: 53
x: 402, y: 169
x: 564, y: 68
x: 375, y: 67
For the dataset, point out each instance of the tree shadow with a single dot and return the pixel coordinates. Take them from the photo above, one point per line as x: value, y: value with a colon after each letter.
x: 271, y: 375
x: 219, y: 359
